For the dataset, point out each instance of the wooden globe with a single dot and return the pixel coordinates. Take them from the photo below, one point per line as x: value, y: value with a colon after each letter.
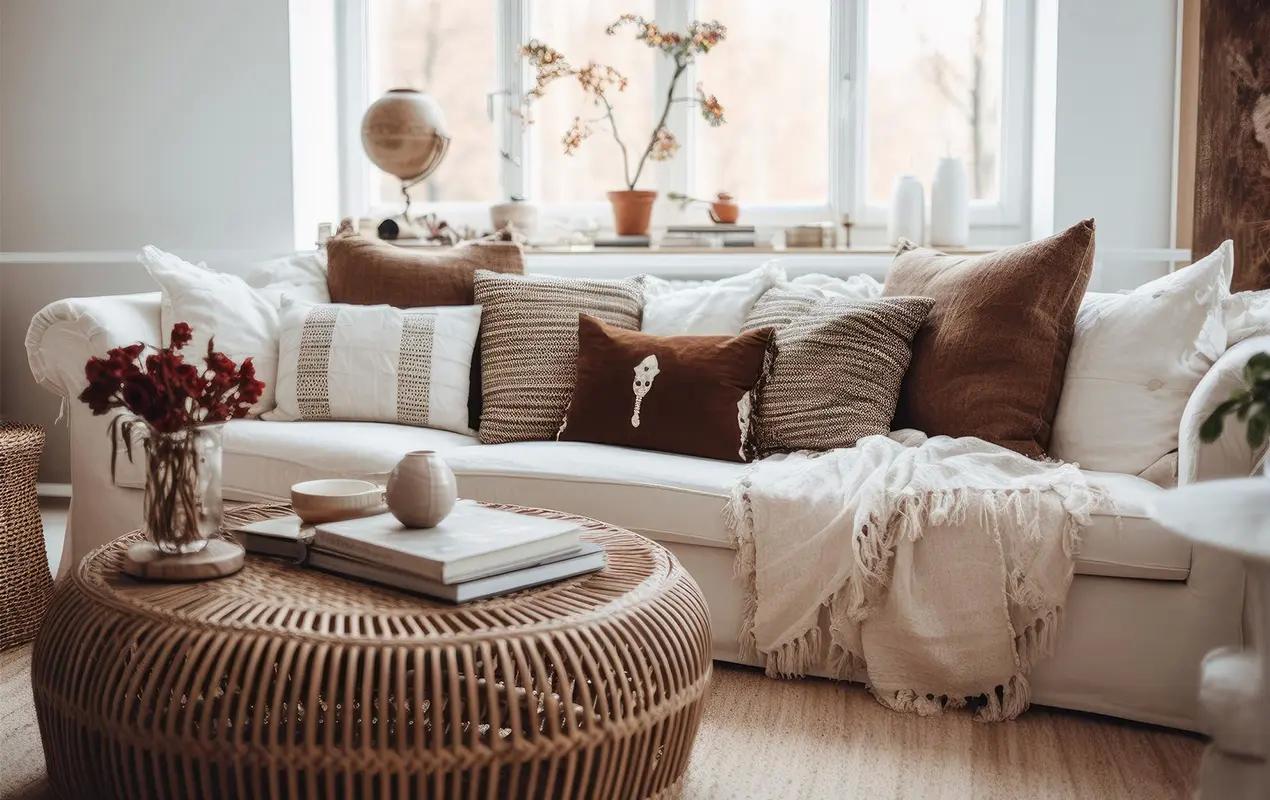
x: 404, y: 134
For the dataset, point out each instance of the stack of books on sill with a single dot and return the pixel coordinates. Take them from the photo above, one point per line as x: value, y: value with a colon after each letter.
x: 715, y: 235
x: 475, y: 552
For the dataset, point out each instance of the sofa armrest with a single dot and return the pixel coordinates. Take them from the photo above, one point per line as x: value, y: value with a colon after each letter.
x: 1229, y: 456
x: 64, y: 334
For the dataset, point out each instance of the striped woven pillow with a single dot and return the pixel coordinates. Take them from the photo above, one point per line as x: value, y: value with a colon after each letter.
x: 376, y: 363
x: 529, y: 346
x: 838, y: 368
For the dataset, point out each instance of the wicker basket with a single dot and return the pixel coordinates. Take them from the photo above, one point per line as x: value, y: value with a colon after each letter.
x: 25, y: 582
x: 280, y: 681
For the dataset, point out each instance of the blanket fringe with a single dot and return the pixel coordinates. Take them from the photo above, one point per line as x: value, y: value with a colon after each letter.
x: 874, y: 548
x: 1000, y: 703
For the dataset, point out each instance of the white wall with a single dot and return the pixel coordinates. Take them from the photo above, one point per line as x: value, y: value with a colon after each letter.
x: 126, y: 122
x: 1113, y: 137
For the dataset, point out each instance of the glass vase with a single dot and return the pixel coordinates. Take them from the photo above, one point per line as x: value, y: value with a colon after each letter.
x: 183, y: 506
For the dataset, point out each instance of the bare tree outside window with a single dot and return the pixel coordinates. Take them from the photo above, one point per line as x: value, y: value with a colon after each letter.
x: 934, y: 90
x: 446, y: 49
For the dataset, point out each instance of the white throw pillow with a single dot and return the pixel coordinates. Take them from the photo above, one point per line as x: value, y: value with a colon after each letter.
x: 217, y: 305
x: 1135, y: 360
x: 300, y: 276
x: 711, y: 308
x: 1247, y: 314
x: 854, y: 287
x: 377, y: 363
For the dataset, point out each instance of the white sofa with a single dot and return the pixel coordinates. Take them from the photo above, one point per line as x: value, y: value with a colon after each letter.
x: 1144, y: 607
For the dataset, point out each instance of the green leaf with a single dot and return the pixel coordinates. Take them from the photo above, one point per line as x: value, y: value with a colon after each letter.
x: 1258, y: 425
x: 1212, y: 427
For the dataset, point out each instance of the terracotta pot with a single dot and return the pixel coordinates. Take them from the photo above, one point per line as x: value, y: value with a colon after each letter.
x: 421, y: 489
x: 632, y: 210
x: 724, y: 209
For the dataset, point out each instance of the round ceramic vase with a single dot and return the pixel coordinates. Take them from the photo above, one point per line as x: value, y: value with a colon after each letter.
x: 421, y: 490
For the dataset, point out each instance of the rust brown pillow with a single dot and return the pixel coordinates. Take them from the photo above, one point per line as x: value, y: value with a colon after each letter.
x: 990, y: 358
x: 680, y: 394
x: 369, y: 272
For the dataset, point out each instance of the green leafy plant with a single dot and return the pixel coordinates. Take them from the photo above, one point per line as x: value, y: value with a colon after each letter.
x: 1250, y: 405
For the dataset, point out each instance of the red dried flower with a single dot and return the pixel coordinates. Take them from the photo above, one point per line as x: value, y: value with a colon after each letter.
x: 181, y: 335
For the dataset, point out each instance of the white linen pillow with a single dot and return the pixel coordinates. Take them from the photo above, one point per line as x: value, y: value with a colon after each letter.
x: 854, y: 287
x: 377, y: 364
x: 1135, y: 360
x: 217, y: 305
x: 708, y: 309
x: 1247, y: 314
x: 300, y: 276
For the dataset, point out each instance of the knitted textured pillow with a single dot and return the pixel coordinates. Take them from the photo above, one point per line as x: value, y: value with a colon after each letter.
x: 989, y: 362
x: 529, y: 346
x: 838, y: 368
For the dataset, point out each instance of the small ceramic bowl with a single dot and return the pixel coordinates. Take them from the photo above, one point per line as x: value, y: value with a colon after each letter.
x: 335, y: 499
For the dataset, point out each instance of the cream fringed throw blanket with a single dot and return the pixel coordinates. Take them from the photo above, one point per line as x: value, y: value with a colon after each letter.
x: 941, y: 566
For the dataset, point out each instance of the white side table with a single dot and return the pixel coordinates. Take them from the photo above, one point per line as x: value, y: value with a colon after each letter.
x: 1232, y: 516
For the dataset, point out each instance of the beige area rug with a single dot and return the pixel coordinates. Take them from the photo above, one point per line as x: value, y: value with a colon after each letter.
x: 812, y: 738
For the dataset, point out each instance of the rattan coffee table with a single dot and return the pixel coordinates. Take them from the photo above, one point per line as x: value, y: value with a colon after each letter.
x: 281, y: 681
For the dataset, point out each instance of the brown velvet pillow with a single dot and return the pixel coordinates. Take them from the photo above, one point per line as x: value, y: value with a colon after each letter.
x: 680, y: 394
x: 989, y: 361
x: 368, y: 272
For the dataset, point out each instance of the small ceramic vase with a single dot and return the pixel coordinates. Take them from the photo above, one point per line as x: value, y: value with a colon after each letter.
x: 950, y: 205
x: 516, y: 213
x: 908, y: 211
x: 724, y: 210
x: 421, y: 489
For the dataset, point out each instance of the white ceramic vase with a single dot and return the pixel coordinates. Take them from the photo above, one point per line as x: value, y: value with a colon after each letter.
x: 421, y: 490
x: 908, y: 211
x: 950, y: 205
x: 520, y: 214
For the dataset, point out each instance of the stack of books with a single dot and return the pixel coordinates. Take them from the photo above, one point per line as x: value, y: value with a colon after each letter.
x: 714, y: 235
x: 475, y: 552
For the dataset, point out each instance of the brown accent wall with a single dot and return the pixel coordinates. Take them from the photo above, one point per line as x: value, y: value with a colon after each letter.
x: 1232, y: 166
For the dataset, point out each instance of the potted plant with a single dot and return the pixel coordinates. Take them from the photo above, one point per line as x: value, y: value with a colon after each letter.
x: 1250, y: 405
x: 180, y: 409
x: 632, y: 208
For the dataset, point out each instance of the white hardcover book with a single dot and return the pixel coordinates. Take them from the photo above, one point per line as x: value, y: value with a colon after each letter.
x: 473, y: 540
x: 588, y: 557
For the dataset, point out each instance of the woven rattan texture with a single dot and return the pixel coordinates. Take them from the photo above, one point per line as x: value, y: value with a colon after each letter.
x: 25, y: 582
x: 281, y: 681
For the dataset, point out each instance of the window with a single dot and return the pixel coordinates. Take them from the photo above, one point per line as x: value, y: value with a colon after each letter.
x: 827, y: 102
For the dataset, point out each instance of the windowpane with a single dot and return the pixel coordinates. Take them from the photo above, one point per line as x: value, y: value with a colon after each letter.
x: 447, y: 50
x: 934, y: 90
x: 576, y: 29
x: 772, y: 76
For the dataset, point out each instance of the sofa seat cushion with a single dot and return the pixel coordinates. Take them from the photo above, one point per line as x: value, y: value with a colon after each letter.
x: 680, y: 499
x: 664, y: 496
x: 263, y: 459
x: 668, y: 497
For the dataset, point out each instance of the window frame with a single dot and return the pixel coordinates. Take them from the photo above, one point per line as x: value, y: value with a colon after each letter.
x: 1002, y: 220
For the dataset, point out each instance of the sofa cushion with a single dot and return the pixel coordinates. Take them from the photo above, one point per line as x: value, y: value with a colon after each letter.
x: 263, y: 459
x: 680, y: 499
x: 989, y: 360
x: 688, y: 394
x: 665, y: 496
x: 529, y: 346
x: 837, y: 369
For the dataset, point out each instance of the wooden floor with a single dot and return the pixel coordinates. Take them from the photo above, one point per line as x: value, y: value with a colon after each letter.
x: 813, y: 738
